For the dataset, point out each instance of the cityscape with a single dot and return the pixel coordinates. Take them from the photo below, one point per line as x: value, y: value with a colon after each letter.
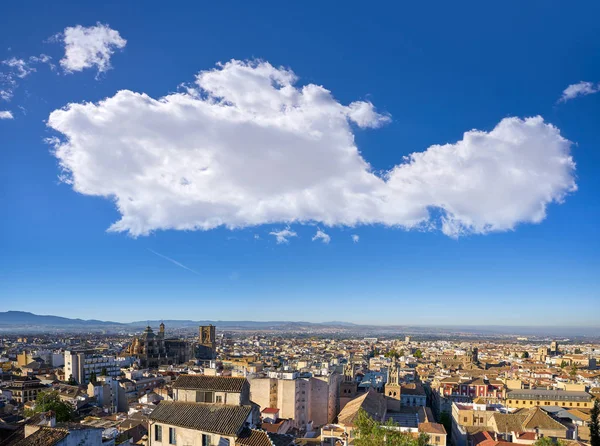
x: 248, y: 386
x: 299, y: 223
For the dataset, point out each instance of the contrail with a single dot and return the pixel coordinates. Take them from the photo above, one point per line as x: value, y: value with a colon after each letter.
x: 173, y: 261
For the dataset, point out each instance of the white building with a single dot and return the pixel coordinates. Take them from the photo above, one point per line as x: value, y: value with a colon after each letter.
x: 80, y: 365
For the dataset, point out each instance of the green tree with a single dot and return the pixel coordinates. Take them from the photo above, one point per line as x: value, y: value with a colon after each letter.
x: 594, y: 424
x: 573, y: 372
x: 418, y: 353
x: 50, y: 400
x: 563, y: 364
x: 578, y: 351
x: 547, y: 441
x: 103, y: 372
x: 72, y: 381
x: 372, y: 433
x: 392, y: 354
x: 93, y: 378
x: 525, y: 355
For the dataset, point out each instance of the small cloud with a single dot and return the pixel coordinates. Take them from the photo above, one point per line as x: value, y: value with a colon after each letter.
x: 355, y: 238
x: 580, y: 89
x: 6, y: 115
x: 320, y: 235
x: 87, y: 47
x: 256, y: 237
x: 18, y: 69
x: 283, y: 235
x: 21, y: 69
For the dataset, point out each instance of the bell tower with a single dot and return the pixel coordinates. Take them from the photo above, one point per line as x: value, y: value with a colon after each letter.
x: 392, y: 386
x: 348, y: 386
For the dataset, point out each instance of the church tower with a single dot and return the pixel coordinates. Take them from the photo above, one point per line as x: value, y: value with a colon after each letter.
x: 392, y: 386
x: 348, y: 386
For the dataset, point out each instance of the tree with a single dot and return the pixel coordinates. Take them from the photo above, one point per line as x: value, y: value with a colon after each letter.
x: 418, y: 353
x: 103, y: 372
x: 547, y: 441
x: 372, y: 433
x: 93, y: 378
x: 563, y: 364
x: 578, y: 351
x: 50, y: 400
x: 544, y: 441
x: 392, y: 354
x: 525, y: 355
x: 72, y: 381
x: 573, y: 372
x: 594, y: 424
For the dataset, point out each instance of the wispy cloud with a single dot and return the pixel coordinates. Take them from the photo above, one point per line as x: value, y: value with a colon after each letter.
x: 175, y: 262
x: 355, y: 238
x: 579, y: 89
x: 283, y: 235
x: 320, y: 235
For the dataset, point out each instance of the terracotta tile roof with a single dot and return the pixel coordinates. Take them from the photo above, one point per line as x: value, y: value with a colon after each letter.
x: 214, y: 418
x: 214, y: 383
x: 537, y: 418
x: 255, y: 437
x: 371, y: 402
x: 432, y: 428
x: 46, y: 436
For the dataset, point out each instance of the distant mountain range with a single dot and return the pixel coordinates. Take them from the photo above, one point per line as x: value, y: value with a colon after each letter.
x: 26, y: 319
x: 23, y: 321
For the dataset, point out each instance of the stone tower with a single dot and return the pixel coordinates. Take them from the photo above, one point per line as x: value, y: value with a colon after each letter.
x: 207, y: 342
x: 392, y: 386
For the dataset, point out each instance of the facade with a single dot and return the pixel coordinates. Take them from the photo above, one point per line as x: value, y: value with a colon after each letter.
x: 206, y: 411
x: 207, y: 342
x: 348, y: 386
x: 80, y: 365
x: 413, y: 395
x: 517, y: 399
x: 313, y: 399
x: 393, y: 389
x: 109, y: 394
x: 154, y: 349
x: 24, y: 389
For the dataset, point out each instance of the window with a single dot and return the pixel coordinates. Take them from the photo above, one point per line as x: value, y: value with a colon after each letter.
x: 205, y: 397
x: 218, y: 399
x: 172, y: 439
x: 157, y: 433
x: 206, y: 440
x: 437, y: 439
x: 464, y: 419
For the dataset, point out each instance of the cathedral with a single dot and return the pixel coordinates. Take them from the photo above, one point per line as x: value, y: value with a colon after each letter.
x: 153, y: 349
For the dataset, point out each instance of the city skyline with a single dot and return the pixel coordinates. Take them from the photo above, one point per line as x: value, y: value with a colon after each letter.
x: 386, y: 168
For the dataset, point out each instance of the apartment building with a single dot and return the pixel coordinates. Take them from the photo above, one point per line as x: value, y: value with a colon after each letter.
x: 301, y: 398
x: 80, y: 364
x: 206, y: 411
x: 517, y: 399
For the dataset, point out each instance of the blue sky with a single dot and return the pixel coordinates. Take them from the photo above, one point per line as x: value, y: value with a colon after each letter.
x: 420, y: 75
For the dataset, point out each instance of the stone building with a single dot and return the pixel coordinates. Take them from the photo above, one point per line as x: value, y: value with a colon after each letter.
x: 154, y: 349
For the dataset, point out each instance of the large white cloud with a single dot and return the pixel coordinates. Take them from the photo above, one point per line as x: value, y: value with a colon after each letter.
x: 246, y: 146
x: 87, y: 47
x: 6, y: 114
